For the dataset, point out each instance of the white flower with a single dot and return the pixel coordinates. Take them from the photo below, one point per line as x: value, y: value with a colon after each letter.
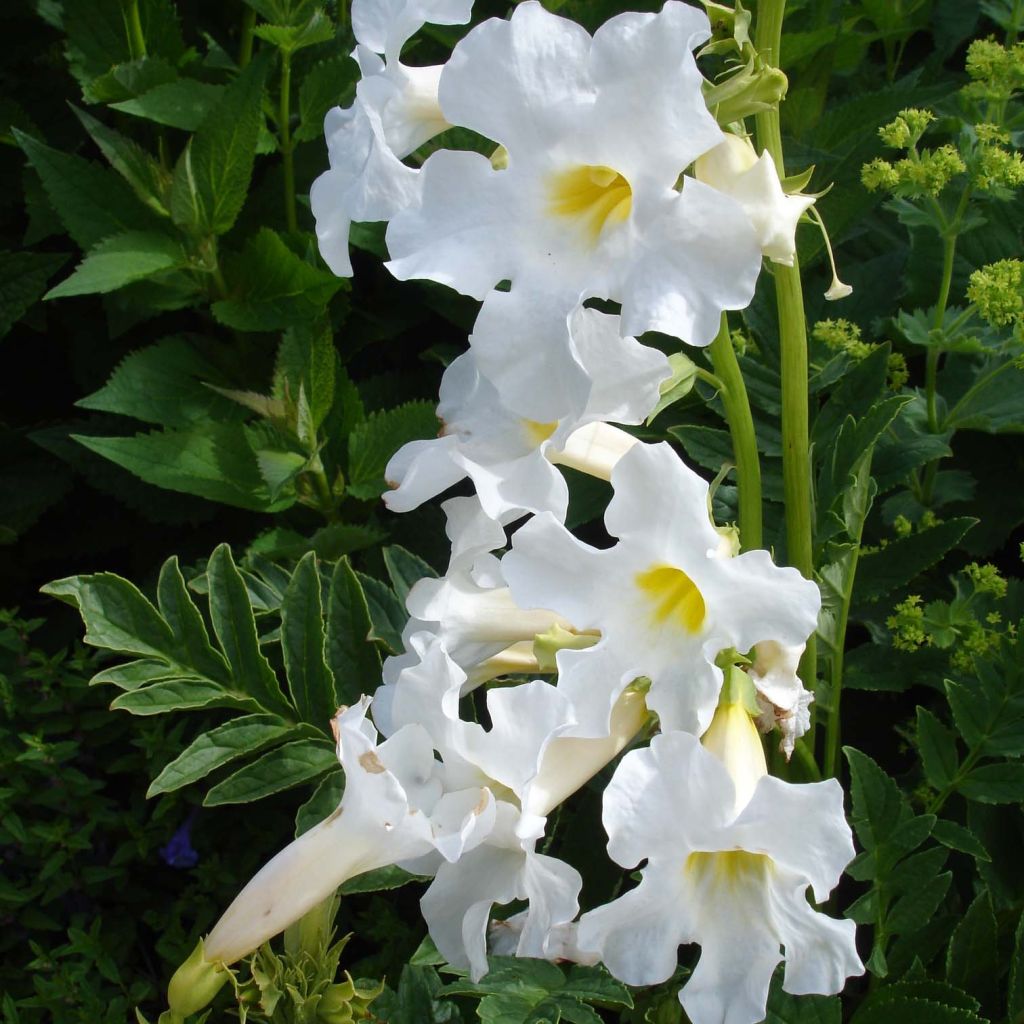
x: 780, y: 694
x: 395, y: 111
x: 598, y: 131
x: 527, y: 763
x: 730, y: 854
x: 733, y: 167
x: 394, y: 808
x: 510, y: 458
x: 667, y: 598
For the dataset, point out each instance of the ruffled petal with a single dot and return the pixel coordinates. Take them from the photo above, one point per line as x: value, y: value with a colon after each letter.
x: 419, y: 471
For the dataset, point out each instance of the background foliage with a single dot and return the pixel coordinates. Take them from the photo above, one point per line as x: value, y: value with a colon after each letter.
x: 194, y: 404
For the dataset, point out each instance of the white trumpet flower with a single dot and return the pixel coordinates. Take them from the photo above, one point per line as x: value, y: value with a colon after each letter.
x: 510, y: 458
x: 666, y: 599
x: 730, y: 853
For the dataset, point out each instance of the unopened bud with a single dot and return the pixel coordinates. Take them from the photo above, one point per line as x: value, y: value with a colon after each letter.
x: 195, y: 983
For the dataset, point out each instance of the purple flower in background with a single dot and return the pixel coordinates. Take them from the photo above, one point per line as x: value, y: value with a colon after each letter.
x: 178, y: 852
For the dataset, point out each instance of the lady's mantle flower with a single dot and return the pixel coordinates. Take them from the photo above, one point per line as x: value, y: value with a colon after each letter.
x: 597, y: 131
x: 666, y: 599
x: 510, y: 458
x: 730, y: 854
x: 395, y: 112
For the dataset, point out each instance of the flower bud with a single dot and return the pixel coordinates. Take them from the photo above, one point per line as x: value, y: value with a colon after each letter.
x: 195, y: 983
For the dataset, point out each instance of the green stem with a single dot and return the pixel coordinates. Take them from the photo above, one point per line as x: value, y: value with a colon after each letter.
x: 796, y: 460
x: 133, y: 26
x: 245, y: 44
x: 744, y: 440
x: 968, y: 763
x: 285, y: 133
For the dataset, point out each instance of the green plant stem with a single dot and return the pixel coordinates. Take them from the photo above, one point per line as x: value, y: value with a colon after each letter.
x: 285, y: 134
x: 796, y: 460
x: 245, y: 44
x: 133, y: 26
x: 744, y: 440
x: 940, y: 799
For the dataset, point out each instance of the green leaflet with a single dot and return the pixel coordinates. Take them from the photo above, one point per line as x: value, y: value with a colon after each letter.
x: 278, y: 770
x: 372, y: 443
x: 119, y: 260
x: 219, y: 746
x: 405, y: 569
x: 353, y: 658
x: 23, y: 278
x: 310, y: 681
x: 184, y: 103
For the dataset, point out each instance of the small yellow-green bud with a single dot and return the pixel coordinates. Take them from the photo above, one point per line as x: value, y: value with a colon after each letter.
x: 932, y: 172
x: 998, y: 292
x: 902, y: 526
x: 897, y: 373
x: 991, y: 135
x: 194, y: 984
x: 842, y: 336
x: 906, y: 129
x: 986, y: 579
x: 879, y: 175
x: 907, y: 625
x: 998, y: 168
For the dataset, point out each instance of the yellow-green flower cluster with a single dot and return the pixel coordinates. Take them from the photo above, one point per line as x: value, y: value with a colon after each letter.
x: 998, y: 168
x: 843, y: 336
x: 996, y: 71
x: 986, y: 579
x: 998, y: 292
x: 907, y: 625
x: 924, y: 172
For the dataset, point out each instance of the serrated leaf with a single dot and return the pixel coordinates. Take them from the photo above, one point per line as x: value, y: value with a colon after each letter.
x: 902, y: 560
x: 291, y: 38
x: 330, y: 83
x: 784, y: 1008
x: 379, y: 880
x: 23, y: 278
x: 709, y: 447
x: 324, y: 801
x: 184, y: 103
x: 373, y: 441
x: 990, y: 712
x: 352, y: 657
x: 211, y: 178
x: 214, y: 461
x: 937, y: 746
x: 279, y: 769
x: 994, y: 783
x: 878, y: 805
x: 387, y: 613
x: 405, y: 569
x: 131, y: 78
x: 178, y: 695
x: 218, y: 747
x: 148, y: 179
x: 235, y: 626
x: 133, y: 674
x: 995, y: 401
x: 92, y: 202
x: 973, y: 956
x: 307, y: 363
x: 892, y: 1005
x: 270, y: 288
x: 121, y: 260
x: 303, y: 644
x: 915, y: 907
x: 856, y: 393
x: 164, y: 383
x: 187, y: 625
x: 956, y: 837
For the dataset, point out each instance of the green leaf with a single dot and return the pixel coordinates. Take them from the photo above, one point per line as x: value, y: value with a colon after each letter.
x: 904, y: 559
x: 120, y: 260
x: 994, y: 783
x: 937, y: 746
x: 218, y: 747
x: 990, y: 713
x: 148, y: 179
x: 956, y: 837
x: 23, y: 278
x: 405, y: 569
x: 890, y: 1004
x: 920, y: 898
x: 995, y: 401
x: 709, y: 447
x: 186, y: 621
x: 183, y: 103
x: 323, y: 802
x: 878, y: 805
x: 678, y: 386
x: 973, y: 956
x: 133, y: 674
x: 372, y: 443
x: 270, y: 288
x: 784, y: 1008
x: 235, y: 626
x: 379, y: 880
x: 353, y: 659
x: 178, y: 695
x: 117, y: 615
x: 279, y: 769
x: 1015, y: 987
x: 854, y: 397
x: 290, y: 38
x: 211, y: 179
x: 307, y: 363
x: 387, y: 613
x: 165, y: 383
x: 302, y: 644
x: 92, y: 202
x: 214, y: 461
x: 330, y: 83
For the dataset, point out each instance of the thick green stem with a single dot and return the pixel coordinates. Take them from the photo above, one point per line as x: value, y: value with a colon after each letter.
x: 796, y: 460
x: 245, y: 44
x: 744, y: 440
x: 133, y: 26
x: 285, y: 135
